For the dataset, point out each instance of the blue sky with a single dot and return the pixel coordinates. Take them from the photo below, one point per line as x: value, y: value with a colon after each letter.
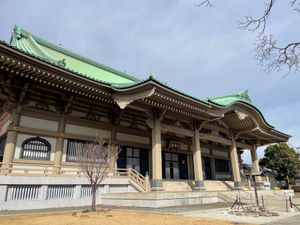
x: 200, y: 51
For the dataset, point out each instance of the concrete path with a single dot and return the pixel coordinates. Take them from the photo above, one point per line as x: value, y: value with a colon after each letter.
x: 293, y: 220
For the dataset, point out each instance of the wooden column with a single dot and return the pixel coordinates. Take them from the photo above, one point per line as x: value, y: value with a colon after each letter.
x: 11, y: 139
x: 190, y: 164
x: 156, y: 184
x: 113, y: 140
x: 235, y: 164
x: 255, y: 166
x: 199, y: 184
x: 59, y: 144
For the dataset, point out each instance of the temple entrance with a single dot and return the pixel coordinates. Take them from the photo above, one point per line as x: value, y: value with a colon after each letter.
x: 207, y: 167
x: 135, y: 158
x: 174, y: 166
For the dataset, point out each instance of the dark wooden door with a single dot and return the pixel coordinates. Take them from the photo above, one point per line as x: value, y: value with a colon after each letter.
x: 183, y: 169
x: 207, y: 168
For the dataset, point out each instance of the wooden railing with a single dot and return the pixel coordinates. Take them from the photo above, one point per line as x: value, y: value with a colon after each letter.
x: 32, y: 169
x: 137, y: 178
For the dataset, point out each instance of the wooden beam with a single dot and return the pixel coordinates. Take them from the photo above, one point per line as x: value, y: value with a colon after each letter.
x: 215, y: 127
x: 177, y: 130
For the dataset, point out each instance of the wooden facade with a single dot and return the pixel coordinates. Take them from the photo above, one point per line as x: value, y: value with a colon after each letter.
x: 163, y: 132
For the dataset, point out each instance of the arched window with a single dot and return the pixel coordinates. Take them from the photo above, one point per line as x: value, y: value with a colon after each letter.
x: 36, y: 148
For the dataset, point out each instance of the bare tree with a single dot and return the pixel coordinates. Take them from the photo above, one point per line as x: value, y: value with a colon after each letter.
x: 96, y: 160
x: 269, y: 54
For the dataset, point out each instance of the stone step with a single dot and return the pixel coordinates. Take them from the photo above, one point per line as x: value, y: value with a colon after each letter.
x: 215, y: 185
x: 177, y: 186
x: 209, y: 185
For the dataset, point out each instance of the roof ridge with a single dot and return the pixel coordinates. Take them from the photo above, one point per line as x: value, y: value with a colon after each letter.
x: 228, y: 95
x: 20, y: 31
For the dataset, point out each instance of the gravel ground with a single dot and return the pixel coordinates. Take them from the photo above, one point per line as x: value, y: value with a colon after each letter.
x: 223, y: 214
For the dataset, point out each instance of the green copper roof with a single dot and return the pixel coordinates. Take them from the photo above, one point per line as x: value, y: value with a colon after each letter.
x: 227, y: 100
x: 59, y: 56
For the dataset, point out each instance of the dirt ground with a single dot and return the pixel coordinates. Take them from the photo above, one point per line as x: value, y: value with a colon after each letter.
x: 110, y: 217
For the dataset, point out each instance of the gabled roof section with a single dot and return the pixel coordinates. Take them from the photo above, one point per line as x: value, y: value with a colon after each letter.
x: 61, y: 57
x: 228, y: 100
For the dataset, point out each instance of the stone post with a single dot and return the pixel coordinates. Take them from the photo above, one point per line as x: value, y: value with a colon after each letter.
x: 11, y: 139
x: 235, y: 164
x: 255, y: 166
x: 157, y: 184
x: 147, y: 182
x: 199, y: 184
x: 59, y: 145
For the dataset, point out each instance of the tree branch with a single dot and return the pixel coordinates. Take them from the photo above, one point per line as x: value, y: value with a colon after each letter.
x: 296, y: 5
x: 269, y: 55
x: 274, y: 58
x: 205, y: 3
x: 253, y: 24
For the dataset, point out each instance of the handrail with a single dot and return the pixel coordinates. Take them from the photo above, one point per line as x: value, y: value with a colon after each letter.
x: 138, y: 178
x: 49, y: 170
x: 33, y: 169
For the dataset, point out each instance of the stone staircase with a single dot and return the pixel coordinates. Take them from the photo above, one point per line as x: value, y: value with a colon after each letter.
x: 187, y: 185
x: 217, y: 185
x: 178, y: 186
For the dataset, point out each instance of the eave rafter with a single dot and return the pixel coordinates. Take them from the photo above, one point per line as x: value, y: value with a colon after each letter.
x: 56, y: 80
x: 30, y: 68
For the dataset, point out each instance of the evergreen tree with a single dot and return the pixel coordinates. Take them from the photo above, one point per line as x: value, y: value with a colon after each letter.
x: 283, y: 159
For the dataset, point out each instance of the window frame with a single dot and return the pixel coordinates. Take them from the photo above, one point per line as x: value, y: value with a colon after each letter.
x: 39, y: 139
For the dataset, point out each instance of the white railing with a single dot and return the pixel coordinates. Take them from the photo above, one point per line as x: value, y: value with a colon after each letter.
x: 28, y: 169
x: 137, y: 178
x: 33, y: 169
x: 60, y: 191
x: 23, y: 192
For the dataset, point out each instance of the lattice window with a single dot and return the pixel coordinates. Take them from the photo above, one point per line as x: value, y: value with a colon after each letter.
x: 36, y: 149
x: 23, y: 192
x: 60, y: 191
x: 78, y: 145
x: 222, y: 165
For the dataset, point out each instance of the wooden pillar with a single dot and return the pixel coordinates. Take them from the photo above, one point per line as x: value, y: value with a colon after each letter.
x: 235, y: 164
x: 113, y: 140
x: 156, y: 184
x: 11, y: 139
x: 199, y: 184
x: 255, y: 165
x: 190, y: 164
x: 59, y: 145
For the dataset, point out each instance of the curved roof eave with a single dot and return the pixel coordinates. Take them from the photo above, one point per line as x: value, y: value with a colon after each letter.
x: 256, y: 110
x: 120, y: 87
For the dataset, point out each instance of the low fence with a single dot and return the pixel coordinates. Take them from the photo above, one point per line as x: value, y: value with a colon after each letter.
x: 28, y: 169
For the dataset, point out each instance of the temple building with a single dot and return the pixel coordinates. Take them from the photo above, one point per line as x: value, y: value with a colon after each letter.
x: 52, y: 98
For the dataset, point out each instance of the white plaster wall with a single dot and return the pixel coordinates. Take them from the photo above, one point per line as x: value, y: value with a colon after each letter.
x: 220, y: 153
x: 36, y: 123
x: 133, y: 138
x: 64, y: 156
x: 77, y: 113
x: 184, y: 147
x: 75, y: 129
x: 205, y: 150
x: 23, y: 137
